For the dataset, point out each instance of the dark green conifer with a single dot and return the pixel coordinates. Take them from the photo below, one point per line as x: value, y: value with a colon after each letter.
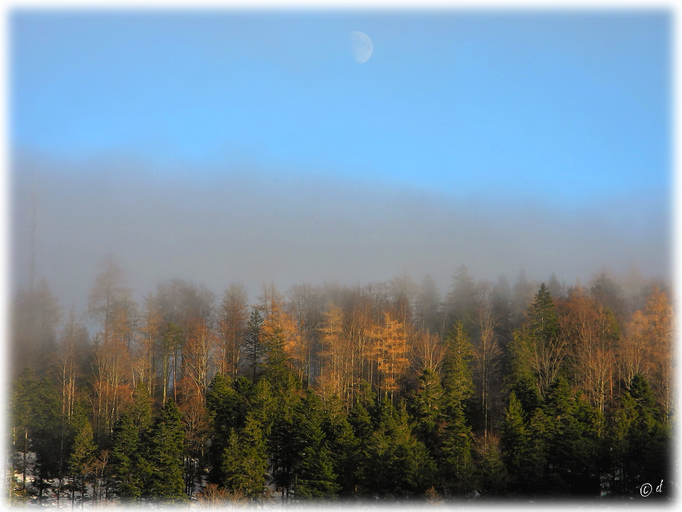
x: 82, y: 452
x: 164, y: 453
x: 457, y: 463
x: 342, y: 444
x: 254, y: 347
x: 245, y: 460
x: 315, y: 477
x: 640, y: 441
x: 45, y: 434
x: 457, y: 376
x: 125, y: 451
x: 427, y: 410
x: 225, y: 409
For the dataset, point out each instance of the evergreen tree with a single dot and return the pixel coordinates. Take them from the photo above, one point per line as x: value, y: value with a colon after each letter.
x: 226, y: 409
x: 398, y: 464
x: 547, y: 344
x: 542, y: 317
x: 457, y: 463
x: 426, y: 408
x: 253, y: 345
x: 22, y: 421
x: 315, y: 474
x: 284, y: 447
x: 130, y: 469
x: 45, y: 434
x: 491, y: 473
x: 245, y: 460
x: 574, y: 443
x: 263, y: 406
x: 515, y: 441
x: 640, y: 441
x: 141, y: 408
x: 457, y: 376
x: 342, y: 444
x: 82, y: 452
x: 125, y: 451
x: 164, y: 453
x: 361, y: 422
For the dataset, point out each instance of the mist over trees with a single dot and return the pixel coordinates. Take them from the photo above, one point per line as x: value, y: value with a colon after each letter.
x: 386, y: 390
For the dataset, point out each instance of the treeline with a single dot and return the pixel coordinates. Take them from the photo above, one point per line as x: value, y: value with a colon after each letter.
x: 379, y: 391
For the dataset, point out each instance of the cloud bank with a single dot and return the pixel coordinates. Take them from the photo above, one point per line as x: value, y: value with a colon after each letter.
x: 215, y: 225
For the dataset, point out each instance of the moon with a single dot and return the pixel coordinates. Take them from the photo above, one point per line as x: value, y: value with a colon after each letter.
x: 361, y: 45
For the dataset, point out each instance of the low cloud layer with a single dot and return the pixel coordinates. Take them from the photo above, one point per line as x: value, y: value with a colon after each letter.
x: 216, y: 225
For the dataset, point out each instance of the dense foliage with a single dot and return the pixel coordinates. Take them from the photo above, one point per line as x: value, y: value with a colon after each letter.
x: 385, y: 392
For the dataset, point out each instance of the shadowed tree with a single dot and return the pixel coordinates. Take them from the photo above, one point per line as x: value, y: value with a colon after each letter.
x: 460, y: 303
x: 254, y: 345
x: 164, y: 454
x: 233, y: 318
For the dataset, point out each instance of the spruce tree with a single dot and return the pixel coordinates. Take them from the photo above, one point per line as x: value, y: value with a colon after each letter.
x: 342, y: 444
x: 315, y: 477
x: 457, y: 376
x: 284, y: 443
x: 491, y: 473
x: 45, y: 435
x: 130, y: 469
x: 82, y: 453
x: 515, y: 440
x: 398, y: 464
x: 574, y: 442
x: 427, y: 409
x: 456, y: 459
x: 640, y: 442
x: 22, y: 421
x: 244, y: 461
x: 542, y: 317
x: 164, y: 454
x: 225, y: 408
x: 253, y: 345
x: 125, y: 452
x: 361, y: 422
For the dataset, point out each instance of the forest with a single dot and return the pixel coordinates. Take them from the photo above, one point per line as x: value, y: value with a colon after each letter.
x: 387, y: 391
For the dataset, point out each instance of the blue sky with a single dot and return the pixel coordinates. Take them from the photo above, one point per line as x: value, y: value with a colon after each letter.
x: 246, y: 146
x: 564, y: 107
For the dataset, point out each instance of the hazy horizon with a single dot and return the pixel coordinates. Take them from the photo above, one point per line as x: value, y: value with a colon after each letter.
x: 221, y: 146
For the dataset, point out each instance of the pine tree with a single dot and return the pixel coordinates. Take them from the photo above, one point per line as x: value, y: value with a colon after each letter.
x: 457, y: 376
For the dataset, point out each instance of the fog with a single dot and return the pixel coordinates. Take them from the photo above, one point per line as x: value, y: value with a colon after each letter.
x: 216, y: 224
